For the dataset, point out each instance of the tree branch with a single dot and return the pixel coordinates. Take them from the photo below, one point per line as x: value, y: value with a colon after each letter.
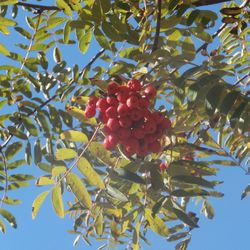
x: 38, y: 7
x: 208, y: 2
x: 158, y: 26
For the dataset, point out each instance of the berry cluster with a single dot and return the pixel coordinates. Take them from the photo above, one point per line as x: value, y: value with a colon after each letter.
x: 128, y: 120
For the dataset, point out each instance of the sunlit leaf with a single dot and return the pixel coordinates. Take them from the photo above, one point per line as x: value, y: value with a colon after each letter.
x: 65, y: 154
x: 37, y: 203
x: 57, y: 202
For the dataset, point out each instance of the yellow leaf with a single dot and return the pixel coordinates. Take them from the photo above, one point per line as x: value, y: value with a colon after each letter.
x: 57, y: 201
x: 38, y: 202
x: 65, y: 153
x: 75, y: 136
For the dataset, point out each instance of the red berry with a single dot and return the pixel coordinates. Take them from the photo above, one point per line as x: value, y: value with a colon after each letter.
x: 122, y: 109
x: 131, y: 144
x: 166, y: 123
x: 112, y: 88
x: 155, y: 147
x: 150, y: 92
x: 124, y: 133
x: 113, y: 124
x: 143, y: 150
x: 102, y: 104
x: 158, y: 117
x: 90, y: 112
x: 151, y: 138
x: 123, y: 89
x: 122, y: 97
x: 92, y: 101
x: 113, y: 139
x: 144, y: 102
x: 132, y: 102
x: 107, y: 144
x: 111, y: 112
x: 163, y: 166
x: 103, y: 118
x: 134, y: 85
x: 125, y: 122
x: 106, y: 130
x: 135, y: 115
x: 187, y: 158
x: 150, y: 126
x: 138, y: 133
x: 112, y: 101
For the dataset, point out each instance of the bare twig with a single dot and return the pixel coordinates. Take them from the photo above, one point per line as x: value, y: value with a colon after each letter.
x: 241, y: 79
x: 41, y: 8
x: 158, y: 26
x: 80, y: 155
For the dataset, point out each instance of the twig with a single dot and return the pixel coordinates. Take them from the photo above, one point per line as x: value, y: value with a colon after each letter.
x: 41, y: 8
x: 158, y: 26
x: 204, y: 46
x: 6, y: 178
x: 81, y: 154
x: 241, y: 79
x: 5, y: 143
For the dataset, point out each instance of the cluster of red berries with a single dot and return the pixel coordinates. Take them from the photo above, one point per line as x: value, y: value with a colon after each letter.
x: 125, y: 112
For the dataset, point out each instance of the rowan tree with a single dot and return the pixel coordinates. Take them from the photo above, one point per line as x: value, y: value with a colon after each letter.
x: 137, y: 134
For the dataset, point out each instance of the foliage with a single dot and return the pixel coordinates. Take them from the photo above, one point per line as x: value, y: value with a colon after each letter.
x: 201, y: 79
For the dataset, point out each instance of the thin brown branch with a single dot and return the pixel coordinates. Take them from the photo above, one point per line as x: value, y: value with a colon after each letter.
x: 241, y: 79
x: 158, y: 26
x: 204, y: 46
x: 41, y: 8
x: 80, y: 155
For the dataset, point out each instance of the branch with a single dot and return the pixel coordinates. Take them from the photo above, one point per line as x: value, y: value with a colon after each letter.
x: 204, y: 46
x: 241, y: 79
x: 158, y: 26
x: 38, y: 7
x: 208, y: 2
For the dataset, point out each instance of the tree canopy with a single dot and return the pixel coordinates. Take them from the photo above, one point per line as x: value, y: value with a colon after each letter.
x: 195, y: 57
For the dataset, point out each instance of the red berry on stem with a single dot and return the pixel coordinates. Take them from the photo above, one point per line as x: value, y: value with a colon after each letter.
x: 125, y: 122
x: 132, y: 102
x: 155, y: 147
x: 124, y: 133
x: 158, y: 117
x: 92, y: 101
x: 111, y: 112
x: 150, y: 92
x: 102, y: 104
x: 138, y: 133
x: 144, y: 102
x: 150, y: 127
x: 113, y: 138
x: 107, y: 144
x: 163, y: 166
x: 113, y: 124
x: 113, y: 88
x: 134, y: 85
x: 112, y: 101
x: 135, y: 115
x: 166, y: 123
x: 122, y: 109
x: 90, y: 112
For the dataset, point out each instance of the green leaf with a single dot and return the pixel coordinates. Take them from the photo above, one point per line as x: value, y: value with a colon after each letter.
x: 58, y: 170
x: 13, y: 149
x: 130, y: 176
x: 16, y: 132
x: 28, y: 124
x: 57, y: 55
x: 228, y: 102
x: 232, y: 11
x: 98, y: 151
x: 74, y: 136
x: 9, y: 217
x: 20, y: 177
x: 188, y: 48
x: 183, y: 216
x: 44, y: 181
x: 193, y: 180
x: 111, y: 32
x: 8, y: 2
x: 64, y: 6
x: 116, y: 194
x: 37, y: 152
x: 99, y: 224
x: 189, y: 193
x: 23, y: 32
x: 207, y: 210
x: 57, y: 202
x: 65, y: 154
x: 4, y: 50
x: 66, y: 32
x: 85, y: 40
x: 101, y: 39
x: 2, y: 227
x: 79, y: 190
x: 245, y: 192
x: 38, y: 202
x: 158, y: 205
x: 156, y: 223
x: 91, y: 175
x: 9, y: 201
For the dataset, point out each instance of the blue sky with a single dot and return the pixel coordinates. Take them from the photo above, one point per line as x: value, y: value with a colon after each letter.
x: 227, y: 231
